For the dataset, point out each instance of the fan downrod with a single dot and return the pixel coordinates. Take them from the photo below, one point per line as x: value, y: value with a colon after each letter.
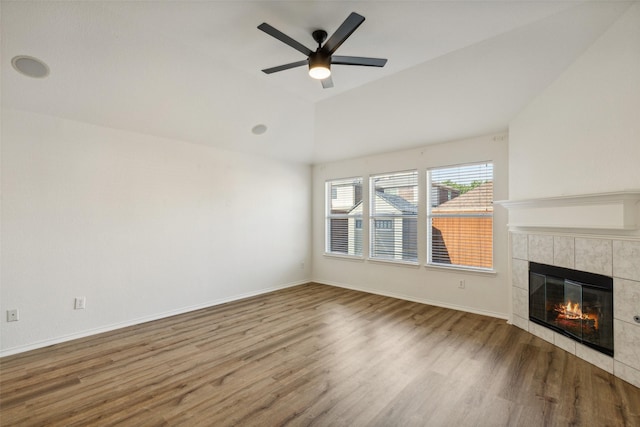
x: 319, y: 36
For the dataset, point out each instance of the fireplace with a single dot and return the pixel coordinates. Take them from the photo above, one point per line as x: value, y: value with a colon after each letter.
x: 574, y: 303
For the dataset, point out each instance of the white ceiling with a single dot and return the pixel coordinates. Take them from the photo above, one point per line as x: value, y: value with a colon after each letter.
x: 190, y: 70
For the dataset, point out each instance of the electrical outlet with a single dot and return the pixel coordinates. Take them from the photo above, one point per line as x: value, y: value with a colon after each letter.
x: 461, y: 284
x: 80, y: 303
x: 13, y: 315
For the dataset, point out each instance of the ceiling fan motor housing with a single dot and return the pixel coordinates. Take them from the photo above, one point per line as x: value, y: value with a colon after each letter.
x: 319, y: 60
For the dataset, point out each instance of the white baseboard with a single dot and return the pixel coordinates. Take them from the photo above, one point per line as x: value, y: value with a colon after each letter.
x: 108, y: 328
x: 418, y: 300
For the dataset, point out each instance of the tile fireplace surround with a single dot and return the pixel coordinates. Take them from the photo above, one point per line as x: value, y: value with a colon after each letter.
x: 603, y: 249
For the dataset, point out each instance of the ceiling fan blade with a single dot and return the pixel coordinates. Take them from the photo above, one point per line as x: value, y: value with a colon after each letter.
x: 347, y: 28
x: 357, y: 60
x: 285, y: 66
x: 284, y: 38
x: 327, y: 83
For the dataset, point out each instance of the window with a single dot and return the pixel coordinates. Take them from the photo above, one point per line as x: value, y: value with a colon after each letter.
x: 394, y: 216
x: 460, y: 216
x: 344, y: 217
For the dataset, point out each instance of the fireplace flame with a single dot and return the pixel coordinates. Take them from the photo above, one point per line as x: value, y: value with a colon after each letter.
x: 572, y: 311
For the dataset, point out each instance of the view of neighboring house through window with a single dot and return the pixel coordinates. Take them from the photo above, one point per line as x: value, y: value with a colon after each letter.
x: 394, y: 216
x: 343, y: 219
x: 460, y: 215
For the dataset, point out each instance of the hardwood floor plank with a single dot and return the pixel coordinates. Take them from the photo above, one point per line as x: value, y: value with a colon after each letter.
x: 313, y: 355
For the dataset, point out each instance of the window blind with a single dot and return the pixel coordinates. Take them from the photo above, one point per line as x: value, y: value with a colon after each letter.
x: 394, y: 216
x: 344, y: 216
x: 460, y: 215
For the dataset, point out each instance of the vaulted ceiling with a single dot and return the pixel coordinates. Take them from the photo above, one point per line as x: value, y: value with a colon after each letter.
x: 190, y: 70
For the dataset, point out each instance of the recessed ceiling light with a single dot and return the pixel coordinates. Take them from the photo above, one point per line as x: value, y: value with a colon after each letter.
x: 259, y: 129
x: 30, y: 66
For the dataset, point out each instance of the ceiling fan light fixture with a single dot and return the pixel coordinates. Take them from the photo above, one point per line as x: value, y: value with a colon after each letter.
x: 319, y: 72
x: 319, y: 66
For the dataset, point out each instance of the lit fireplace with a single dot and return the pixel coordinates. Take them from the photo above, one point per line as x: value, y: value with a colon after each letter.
x: 574, y: 303
x: 571, y: 312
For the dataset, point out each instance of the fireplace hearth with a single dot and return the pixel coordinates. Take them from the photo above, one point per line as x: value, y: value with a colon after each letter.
x: 574, y: 303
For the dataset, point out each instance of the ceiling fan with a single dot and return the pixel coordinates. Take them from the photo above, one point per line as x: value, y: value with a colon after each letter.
x: 320, y: 61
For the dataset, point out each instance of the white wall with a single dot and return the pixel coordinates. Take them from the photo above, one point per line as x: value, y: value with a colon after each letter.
x: 582, y: 134
x: 486, y: 294
x: 142, y: 227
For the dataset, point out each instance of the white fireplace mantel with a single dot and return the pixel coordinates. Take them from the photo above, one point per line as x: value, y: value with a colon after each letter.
x: 602, y: 211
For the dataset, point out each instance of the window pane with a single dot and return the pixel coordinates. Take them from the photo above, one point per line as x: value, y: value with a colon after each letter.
x: 463, y: 241
x: 394, y: 210
x: 344, y: 216
x: 396, y: 194
x: 345, y: 195
x: 460, y: 215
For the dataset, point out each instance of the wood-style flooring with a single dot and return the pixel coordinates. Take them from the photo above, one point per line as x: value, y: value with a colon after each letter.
x: 313, y: 355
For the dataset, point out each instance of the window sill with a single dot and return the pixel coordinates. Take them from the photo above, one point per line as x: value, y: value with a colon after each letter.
x: 458, y: 269
x: 344, y: 257
x: 394, y: 262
